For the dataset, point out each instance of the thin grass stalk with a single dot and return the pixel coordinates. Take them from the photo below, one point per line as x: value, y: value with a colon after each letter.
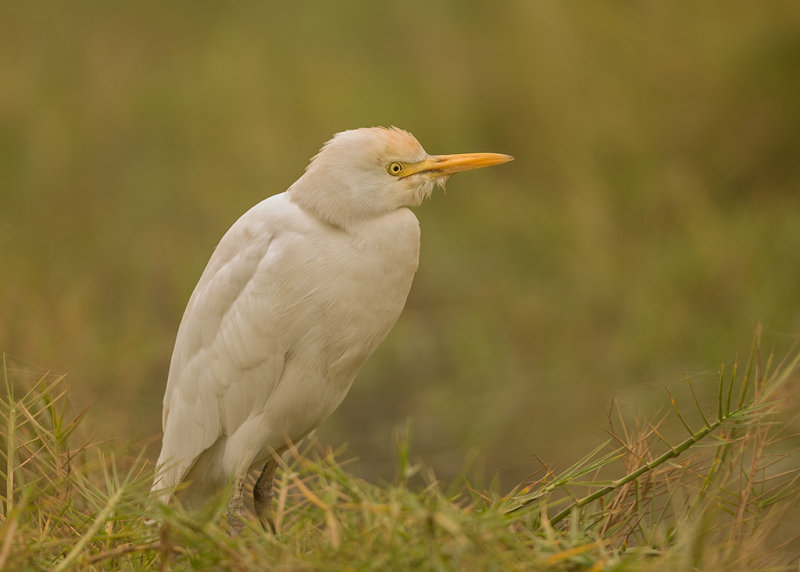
x: 10, y: 456
x: 671, y: 453
x: 678, y: 413
x: 763, y: 393
x: 696, y: 400
x: 721, y: 392
x: 101, y: 518
x: 10, y: 445
x: 10, y: 530
x: 751, y: 363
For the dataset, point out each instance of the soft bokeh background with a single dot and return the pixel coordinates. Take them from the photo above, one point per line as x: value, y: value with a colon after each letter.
x: 650, y: 221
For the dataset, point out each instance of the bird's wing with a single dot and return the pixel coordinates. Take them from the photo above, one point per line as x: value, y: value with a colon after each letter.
x: 227, y: 358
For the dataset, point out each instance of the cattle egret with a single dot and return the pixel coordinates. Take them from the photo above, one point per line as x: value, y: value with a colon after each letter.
x: 295, y: 298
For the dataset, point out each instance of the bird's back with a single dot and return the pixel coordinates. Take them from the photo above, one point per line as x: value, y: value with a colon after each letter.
x: 285, y: 314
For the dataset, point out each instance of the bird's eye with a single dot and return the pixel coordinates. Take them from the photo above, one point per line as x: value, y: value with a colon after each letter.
x: 395, y: 168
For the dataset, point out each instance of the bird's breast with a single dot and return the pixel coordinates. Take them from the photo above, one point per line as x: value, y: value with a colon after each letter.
x: 351, y: 288
x: 347, y: 291
x: 371, y: 278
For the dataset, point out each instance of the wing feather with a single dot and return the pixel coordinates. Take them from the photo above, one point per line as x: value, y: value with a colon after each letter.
x: 227, y: 360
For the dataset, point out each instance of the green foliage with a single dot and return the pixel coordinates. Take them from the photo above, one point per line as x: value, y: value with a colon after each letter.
x: 725, y: 498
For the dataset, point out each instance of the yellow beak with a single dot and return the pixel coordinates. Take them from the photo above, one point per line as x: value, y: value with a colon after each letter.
x: 444, y: 165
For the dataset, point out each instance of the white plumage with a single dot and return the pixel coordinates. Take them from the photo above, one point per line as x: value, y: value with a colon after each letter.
x: 295, y: 298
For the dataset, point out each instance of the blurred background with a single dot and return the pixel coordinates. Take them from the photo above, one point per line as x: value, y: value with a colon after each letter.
x: 650, y: 221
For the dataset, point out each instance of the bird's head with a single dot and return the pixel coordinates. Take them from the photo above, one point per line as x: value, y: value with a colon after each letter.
x: 365, y: 173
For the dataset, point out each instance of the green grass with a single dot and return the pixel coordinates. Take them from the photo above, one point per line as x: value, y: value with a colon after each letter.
x: 724, y: 497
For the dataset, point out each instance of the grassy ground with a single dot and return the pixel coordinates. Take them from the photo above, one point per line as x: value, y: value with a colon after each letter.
x: 724, y: 497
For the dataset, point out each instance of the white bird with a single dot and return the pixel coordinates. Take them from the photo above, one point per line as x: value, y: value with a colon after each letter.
x: 295, y: 298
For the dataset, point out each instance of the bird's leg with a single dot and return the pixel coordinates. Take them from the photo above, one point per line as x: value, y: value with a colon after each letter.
x: 262, y: 495
x: 236, y: 508
x: 164, y: 548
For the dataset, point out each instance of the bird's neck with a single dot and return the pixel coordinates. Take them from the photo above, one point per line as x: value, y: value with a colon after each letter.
x: 337, y: 202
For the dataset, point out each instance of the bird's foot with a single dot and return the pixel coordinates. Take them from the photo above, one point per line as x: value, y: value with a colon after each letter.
x: 262, y: 496
x: 236, y: 509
